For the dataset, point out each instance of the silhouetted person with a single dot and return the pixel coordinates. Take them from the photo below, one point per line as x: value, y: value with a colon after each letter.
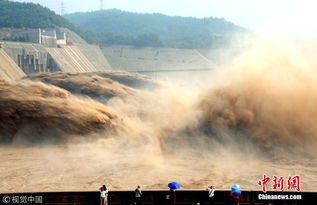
x: 211, y: 194
x: 138, y: 195
x: 235, y: 199
x: 172, y: 197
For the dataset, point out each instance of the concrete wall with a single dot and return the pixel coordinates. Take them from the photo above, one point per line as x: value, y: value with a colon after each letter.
x: 33, y: 35
x: 49, y: 37
x: 31, y: 58
x: 49, y: 41
x: 9, y: 70
x: 71, y: 59
x: 5, y: 33
x: 61, y: 38
x: 92, y: 52
x: 95, y: 55
x: 129, y: 58
x: 49, y: 32
x: 71, y: 36
x: 183, y: 78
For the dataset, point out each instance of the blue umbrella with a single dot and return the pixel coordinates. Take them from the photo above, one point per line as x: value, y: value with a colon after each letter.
x: 174, y: 185
x: 236, y: 190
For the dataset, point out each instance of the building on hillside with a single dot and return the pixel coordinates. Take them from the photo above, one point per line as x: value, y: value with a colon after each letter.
x: 49, y: 37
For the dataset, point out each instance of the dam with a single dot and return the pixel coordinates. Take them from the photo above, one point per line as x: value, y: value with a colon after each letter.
x: 160, y: 63
x: 55, y: 54
x: 62, y: 50
x: 8, y: 68
x: 48, y: 50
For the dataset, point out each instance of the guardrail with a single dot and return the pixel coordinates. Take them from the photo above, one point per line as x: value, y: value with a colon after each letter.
x: 183, y: 197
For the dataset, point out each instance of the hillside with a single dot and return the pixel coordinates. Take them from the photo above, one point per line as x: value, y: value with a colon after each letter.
x: 120, y: 27
x: 29, y: 15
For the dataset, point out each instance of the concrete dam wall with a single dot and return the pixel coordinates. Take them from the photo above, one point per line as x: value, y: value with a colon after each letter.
x: 9, y: 70
x: 48, y: 50
x: 31, y: 58
x: 129, y: 58
x: 184, y: 66
x: 95, y: 55
x: 77, y: 56
x: 71, y: 59
x: 19, y: 59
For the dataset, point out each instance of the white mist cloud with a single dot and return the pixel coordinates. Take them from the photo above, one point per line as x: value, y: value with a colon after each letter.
x: 298, y: 24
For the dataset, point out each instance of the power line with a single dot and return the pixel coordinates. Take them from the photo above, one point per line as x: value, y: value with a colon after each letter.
x: 62, y: 8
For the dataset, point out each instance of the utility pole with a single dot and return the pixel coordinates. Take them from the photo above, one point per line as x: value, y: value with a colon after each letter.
x: 101, y: 4
x: 62, y: 8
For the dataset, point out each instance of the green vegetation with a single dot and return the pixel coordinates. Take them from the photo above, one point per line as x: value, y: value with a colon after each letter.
x: 29, y: 15
x: 119, y: 27
x: 24, y: 38
x: 109, y: 27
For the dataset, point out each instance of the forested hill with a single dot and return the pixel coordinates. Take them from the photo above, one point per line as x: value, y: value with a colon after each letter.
x: 109, y: 27
x: 120, y: 27
x: 29, y: 15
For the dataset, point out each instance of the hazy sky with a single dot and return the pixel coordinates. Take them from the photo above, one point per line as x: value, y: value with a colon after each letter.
x: 276, y: 17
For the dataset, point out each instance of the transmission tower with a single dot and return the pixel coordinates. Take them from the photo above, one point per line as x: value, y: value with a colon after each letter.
x: 101, y: 4
x: 62, y: 8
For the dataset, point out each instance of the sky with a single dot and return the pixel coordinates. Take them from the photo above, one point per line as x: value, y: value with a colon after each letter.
x: 294, y: 18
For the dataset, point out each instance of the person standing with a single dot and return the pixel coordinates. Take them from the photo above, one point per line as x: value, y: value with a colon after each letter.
x: 236, y: 199
x: 236, y: 193
x: 138, y: 195
x: 172, y: 196
x: 211, y: 194
x: 104, y: 195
